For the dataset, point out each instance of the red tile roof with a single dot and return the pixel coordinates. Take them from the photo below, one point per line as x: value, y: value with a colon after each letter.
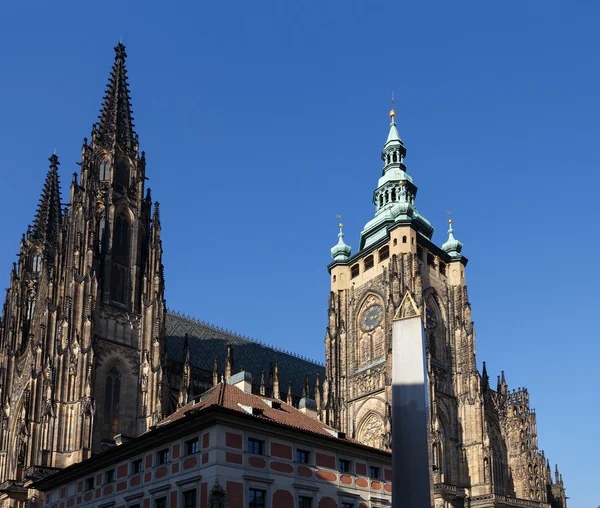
x: 231, y: 397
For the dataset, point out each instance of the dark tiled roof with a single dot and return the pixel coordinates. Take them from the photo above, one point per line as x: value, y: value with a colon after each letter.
x: 207, y: 342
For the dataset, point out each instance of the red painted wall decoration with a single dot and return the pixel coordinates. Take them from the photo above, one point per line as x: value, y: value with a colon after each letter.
x: 235, y: 493
x: 324, y: 460
x: 233, y: 440
x: 327, y: 502
x: 283, y: 499
x: 281, y: 451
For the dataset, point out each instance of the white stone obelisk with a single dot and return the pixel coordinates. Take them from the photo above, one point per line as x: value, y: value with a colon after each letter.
x: 410, y: 449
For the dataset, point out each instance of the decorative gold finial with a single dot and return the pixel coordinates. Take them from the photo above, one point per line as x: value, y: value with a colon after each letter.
x: 393, y: 111
x: 338, y: 216
x: 450, y: 218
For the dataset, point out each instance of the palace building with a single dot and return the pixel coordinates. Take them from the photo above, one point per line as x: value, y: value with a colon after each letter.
x: 90, y: 357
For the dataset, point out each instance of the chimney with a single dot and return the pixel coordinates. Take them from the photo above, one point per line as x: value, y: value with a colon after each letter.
x: 241, y: 380
x: 308, y: 407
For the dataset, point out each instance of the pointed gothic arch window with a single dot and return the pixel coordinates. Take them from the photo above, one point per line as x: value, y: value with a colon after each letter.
x: 101, y: 234
x: 36, y: 263
x: 120, y: 250
x: 112, y: 403
x: 122, y: 171
x: 118, y: 283
x: 104, y: 170
x: 434, y: 329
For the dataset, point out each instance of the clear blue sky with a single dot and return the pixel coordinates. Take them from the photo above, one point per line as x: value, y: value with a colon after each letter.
x: 262, y: 120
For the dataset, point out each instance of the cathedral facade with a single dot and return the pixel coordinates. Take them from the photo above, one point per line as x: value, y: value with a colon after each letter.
x: 90, y: 357
x: 483, y: 440
x: 82, y: 349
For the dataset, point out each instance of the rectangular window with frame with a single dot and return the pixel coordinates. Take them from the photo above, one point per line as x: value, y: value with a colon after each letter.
x: 344, y: 465
x: 162, y: 457
x: 189, y: 498
x: 302, y: 456
x: 369, y: 262
x: 374, y: 472
x: 89, y: 483
x: 354, y: 271
x: 137, y: 466
x: 257, y: 498
x: 304, y: 502
x: 192, y: 446
x: 255, y: 446
x: 384, y: 253
x: 160, y: 502
x: 109, y: 476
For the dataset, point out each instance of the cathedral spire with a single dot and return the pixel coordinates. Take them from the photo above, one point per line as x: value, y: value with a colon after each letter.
x: 115, y: 127
x: 394, y: 197
x: 48, y: 217
x: 393, y: 136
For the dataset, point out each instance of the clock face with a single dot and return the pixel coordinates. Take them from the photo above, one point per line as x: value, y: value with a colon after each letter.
x: 371, y: 318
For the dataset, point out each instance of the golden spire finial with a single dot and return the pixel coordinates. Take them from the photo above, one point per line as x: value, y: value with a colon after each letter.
x: 340, y: 225
x: 393, y: 111
x: 449, y: 218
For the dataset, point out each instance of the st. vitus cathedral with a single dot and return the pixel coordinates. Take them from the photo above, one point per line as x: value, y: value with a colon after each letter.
x: 483, y: 441
x: 85, y: 303
x: 89, y: 354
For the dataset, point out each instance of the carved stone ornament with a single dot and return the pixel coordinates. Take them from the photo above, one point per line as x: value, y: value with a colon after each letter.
x: 408, y: 308
x: 369, y: 380
x: 371, y: 431
x: 217, y: 497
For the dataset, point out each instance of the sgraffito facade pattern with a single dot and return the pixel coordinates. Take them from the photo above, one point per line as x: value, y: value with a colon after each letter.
x: 483, y: 442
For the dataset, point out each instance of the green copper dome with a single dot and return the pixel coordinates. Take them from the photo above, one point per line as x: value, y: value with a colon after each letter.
x: 452, y: 246
x: 341, y: 251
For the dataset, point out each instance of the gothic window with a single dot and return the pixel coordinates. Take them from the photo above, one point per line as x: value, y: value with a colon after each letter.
x: 36, y: 264
x: 30, y: 306
x: 370, y: 332
x: 120, y: 250
x: 101, y: 234
x: 434, y: 329
x: 104, y: 170
x: 118, y: 282
x: 395, y: 242
x: 122, y: 171
x: 112, y: 403
x: 404, y: 239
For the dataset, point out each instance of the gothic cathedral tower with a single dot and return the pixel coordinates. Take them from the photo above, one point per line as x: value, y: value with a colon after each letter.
x: 82, y: 336
x: 396, y: 255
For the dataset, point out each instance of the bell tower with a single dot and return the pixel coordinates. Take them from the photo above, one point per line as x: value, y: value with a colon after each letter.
x: 396, y: 255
